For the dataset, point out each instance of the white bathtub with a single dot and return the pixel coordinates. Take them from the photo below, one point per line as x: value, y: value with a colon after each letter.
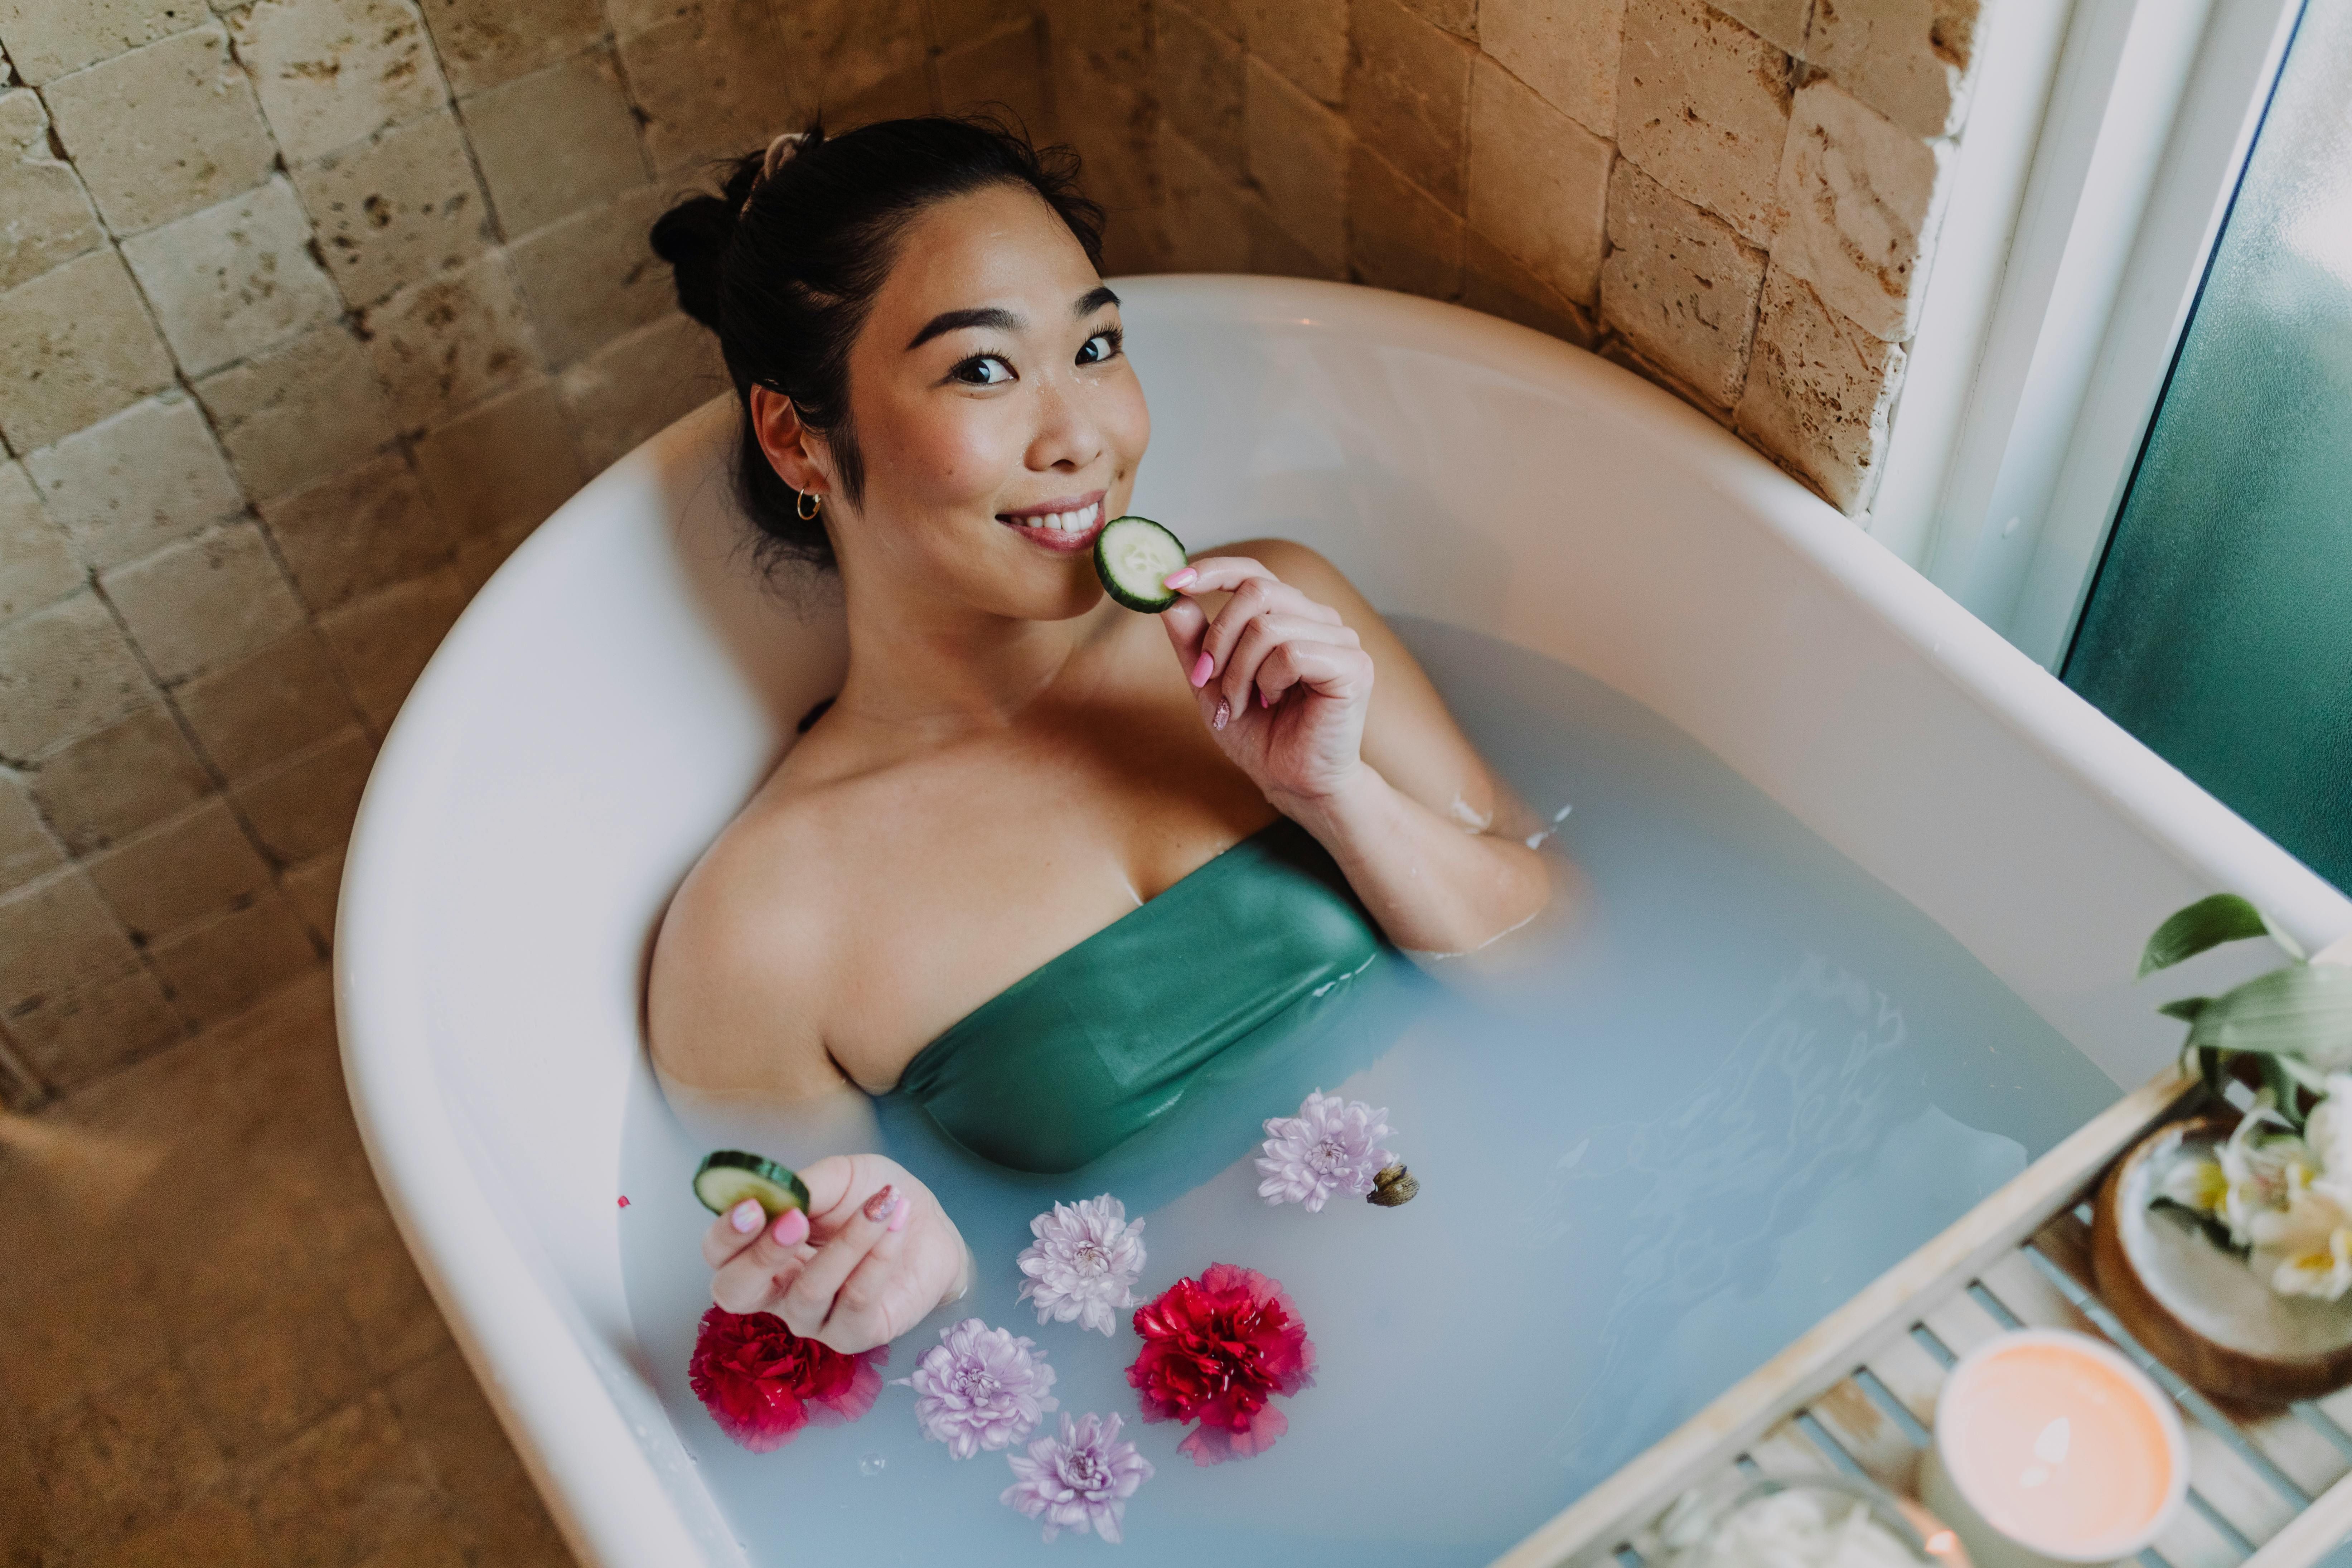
x: 619, y: 687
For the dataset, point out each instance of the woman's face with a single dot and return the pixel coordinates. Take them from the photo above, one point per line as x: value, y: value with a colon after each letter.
x: 991, y: 401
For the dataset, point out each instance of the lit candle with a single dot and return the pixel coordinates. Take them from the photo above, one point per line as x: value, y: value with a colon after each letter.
x: 2050, y: 1447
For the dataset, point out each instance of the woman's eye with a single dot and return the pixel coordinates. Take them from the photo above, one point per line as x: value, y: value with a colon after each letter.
x: 1098, y: 348
x: 984, y: 370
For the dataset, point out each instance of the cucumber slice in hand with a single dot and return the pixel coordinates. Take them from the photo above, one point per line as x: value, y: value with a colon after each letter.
x: 730, y: 1176
x: 1133, y: 556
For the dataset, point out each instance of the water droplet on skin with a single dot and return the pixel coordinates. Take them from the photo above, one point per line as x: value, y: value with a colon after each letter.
x: 870, y: 1465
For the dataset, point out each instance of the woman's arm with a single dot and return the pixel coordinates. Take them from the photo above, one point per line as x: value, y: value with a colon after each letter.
x: 1429, y: 839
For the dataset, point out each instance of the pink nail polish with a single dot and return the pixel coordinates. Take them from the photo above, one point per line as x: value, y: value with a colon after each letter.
x: 745, y: 1216
x: 1224, y: 715
x: 1183, y: 577
x: 899, y: 1211
x: 878, y: 1205
x: 1264, y: 701
x: 1202, y: 668
x: 791, y: 1228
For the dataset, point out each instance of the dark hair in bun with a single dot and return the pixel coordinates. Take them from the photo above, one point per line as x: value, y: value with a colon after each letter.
x: 784, y: 268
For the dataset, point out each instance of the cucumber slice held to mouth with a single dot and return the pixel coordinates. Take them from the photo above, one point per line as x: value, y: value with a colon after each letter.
x: 728, y: 1176
x: 1133, y: 556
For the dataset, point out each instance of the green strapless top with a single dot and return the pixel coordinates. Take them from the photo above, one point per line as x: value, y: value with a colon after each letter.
x: 1233, y: 963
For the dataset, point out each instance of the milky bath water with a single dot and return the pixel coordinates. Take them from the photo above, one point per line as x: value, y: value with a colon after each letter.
x: 1748, y: 1079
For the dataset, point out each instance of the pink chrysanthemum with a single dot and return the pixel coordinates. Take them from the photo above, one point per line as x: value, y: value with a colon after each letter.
x: 980, y: 1388
x: 1331, y: 1146
x: 1084, y: 1264
x: 1079, y: 1481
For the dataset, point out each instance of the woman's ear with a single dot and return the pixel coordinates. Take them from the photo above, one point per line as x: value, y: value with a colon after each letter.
x: 797, y: 453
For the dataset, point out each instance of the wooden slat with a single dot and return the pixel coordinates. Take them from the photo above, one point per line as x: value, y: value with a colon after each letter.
x: 2191, y: 1542
x: 1960, y: 1323
x: 1911, y: 1375
x: 2066, y: 1242
x: 2032, y: 1297
x: 2288, y: 1441
x: 2252, y: 1505
x: 1788, y: 1453
x: 2315, y: 1532
x: 1591, y: 1528
x: 1869, y: 1434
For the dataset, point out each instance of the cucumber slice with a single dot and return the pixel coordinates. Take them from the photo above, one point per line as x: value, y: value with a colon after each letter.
x: 1133, y: 556
x: 730, y: 1176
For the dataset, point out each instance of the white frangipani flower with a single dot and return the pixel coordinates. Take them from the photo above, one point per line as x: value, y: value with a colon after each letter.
x: 2305, y: 1248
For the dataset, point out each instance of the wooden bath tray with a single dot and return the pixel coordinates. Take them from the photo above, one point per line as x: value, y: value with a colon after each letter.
x: 1857, y: 1392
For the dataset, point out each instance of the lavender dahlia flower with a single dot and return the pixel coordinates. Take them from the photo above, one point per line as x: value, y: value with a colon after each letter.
x: 1331, y: 1146
x: 1080, y: 1481
x: 980, y: 1388
x: 1084, y: 1264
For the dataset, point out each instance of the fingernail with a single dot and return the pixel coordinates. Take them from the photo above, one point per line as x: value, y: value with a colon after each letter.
x: 745, y: 1216
x: 790, y: 1228
x: 1262, y: 699
x: 1183, y: 577
x: 1224, y: 715
x: 898, y: 1213
x: 1202, y: 668
x: 878, y: 1205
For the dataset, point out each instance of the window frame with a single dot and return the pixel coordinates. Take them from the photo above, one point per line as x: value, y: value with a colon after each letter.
x: 2095, y: 173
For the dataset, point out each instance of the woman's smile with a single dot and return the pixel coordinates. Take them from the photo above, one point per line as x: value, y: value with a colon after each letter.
x: 1064, y: 525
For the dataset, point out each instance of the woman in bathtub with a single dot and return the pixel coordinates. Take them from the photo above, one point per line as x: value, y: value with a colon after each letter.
x: 1044, y: 863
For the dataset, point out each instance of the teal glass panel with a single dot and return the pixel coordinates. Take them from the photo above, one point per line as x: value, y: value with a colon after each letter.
x: 2219, y: 629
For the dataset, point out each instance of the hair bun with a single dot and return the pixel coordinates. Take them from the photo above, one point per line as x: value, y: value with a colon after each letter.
x: 692, y: 236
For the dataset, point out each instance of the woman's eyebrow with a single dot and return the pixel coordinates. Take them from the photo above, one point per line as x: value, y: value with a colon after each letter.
x: 1094, y: 299
x: 951, y: 320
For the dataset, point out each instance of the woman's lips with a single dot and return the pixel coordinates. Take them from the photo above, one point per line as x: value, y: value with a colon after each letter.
x: 1070, y: 529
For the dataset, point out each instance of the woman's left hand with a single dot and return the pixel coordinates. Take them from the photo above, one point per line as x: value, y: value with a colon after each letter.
x: 1282, y: 682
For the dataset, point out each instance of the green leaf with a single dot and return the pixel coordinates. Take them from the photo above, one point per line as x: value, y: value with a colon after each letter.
x: 2282, y: 1085
x: 2187, y: 1008
x: 2302, y: 1010
x: 2208, y: 922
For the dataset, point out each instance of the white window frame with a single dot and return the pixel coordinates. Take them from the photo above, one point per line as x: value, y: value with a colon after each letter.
x: 2095, y: 170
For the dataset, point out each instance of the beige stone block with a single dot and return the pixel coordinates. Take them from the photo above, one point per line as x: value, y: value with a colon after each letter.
x: 1298, y: 156
x: 313, y: 886
x: 76, y: 344
x: 1820, y: 391
x: 234, y: 279
x: 1198, y: 78
x: 332, y: 72
x: 47, y: 39
x: 268, y: 706
x: 1116, y: 133
x: 593, y: 276
x: 56, y: 935
x: 1680, y: 284
x: 1703, y: 107
x: 108, y: 786
x: 401, y: 205
x: 1495, y: 281
x: 178, y: 871
x: 508, y: 464
x: 383, y: 642
x: 480, y: 556
x: 36, y: 567
x: 840, y: 47
x: 1113, y: 42
x: 1456, y: 17
x: 1273, y: 253
x: 1538, y: 182
x: 162, y: 130
x: 638, y: 383
x: 45, y: 215
x: 898, y: 96
x: 445, y: 343
x: 358, y: 531
x: 297, y: 413
x: 77, y: 1036
x: 302, y: 808
x: 223, y: 966
x: 1567, y: 50
x: 1409, y: 96
x: 1908, y: 59
x: 204, y: 602
x: 1400, y: 238
x: 483, y: 42
x: 715, y: 81
x: 1779, y: 22
x: 1860, y: 198
x: 1003, y: 73
x: 136, y: 481
x: 553, y: 142
x: 64, y: 671
x: 1207, y: 211
x: 27, y: 849
x: 1306, y: 40
x: 358, y: 1467
x: 957, y: 22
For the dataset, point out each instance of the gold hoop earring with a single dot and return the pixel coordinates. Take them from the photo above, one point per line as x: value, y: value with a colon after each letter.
x: 808, y: 505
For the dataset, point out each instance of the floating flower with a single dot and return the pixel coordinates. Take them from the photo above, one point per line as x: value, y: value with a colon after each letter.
x: 2305, y: 1249
x: 1331, y: 1146
x: 1084, y: 1264
x: 980, y: 1388
x: 762, y: 1383
x: 1217, y: 1350
x: 1080, y: 1480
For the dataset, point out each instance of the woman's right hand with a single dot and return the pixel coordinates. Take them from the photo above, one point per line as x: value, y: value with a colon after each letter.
x: 872, y: 1257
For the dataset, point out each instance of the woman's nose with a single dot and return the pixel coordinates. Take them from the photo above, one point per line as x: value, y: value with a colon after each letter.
x: 1068, y: 438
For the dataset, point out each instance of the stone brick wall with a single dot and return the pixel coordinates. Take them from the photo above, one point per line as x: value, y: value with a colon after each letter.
x: 1735, y: 199
x: 309, y: 310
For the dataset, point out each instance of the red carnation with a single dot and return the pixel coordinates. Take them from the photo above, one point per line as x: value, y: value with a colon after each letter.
x: 1218, y: 1349
x: 762, y: 1383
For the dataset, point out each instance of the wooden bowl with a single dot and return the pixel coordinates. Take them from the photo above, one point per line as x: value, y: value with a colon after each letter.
x: 2197, y: 1308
